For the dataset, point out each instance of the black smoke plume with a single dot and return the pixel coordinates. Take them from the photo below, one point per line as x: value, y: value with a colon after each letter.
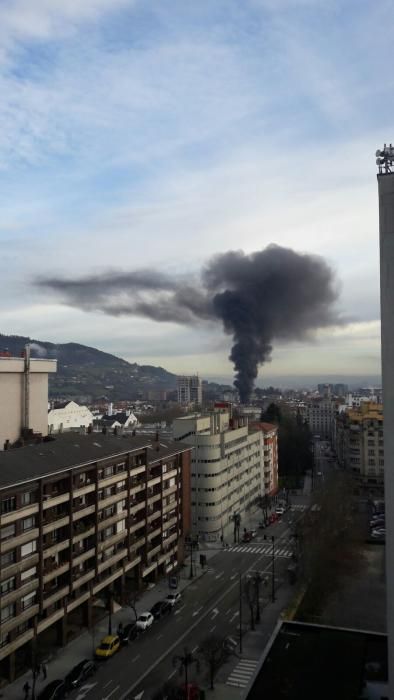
x: 273, y: 294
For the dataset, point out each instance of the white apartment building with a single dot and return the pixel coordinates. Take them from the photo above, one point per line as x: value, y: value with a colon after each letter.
x: 189, y: 390
x: 227, y: 473
x: 69, y: 416
x: 24, y: 396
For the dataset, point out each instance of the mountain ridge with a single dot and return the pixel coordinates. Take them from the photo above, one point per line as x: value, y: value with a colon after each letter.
x: 85, y: 371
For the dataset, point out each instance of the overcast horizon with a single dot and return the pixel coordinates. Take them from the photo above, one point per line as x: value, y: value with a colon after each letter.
x: 138, y: 135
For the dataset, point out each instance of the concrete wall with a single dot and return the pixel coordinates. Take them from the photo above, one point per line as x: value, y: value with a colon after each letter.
x: 12, y: 395
x: 386, y: 228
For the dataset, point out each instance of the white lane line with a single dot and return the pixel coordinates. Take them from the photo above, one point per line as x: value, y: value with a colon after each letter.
x: 228, y: 611
x: 197, y: 612
x: 159, y: 636
x: 171, y: 674
x: 215, y: 612
x: 211, y: 630
x: 195, y: 649
x: 234, y: 616
x: 111, y: 693
x: 134, y: 659
x: 220, y: 575
x: 108, y: 683
x: 233, y: 577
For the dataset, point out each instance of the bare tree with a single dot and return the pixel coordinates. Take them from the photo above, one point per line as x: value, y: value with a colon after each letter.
x: 249, y: 591
x: 213, y: 653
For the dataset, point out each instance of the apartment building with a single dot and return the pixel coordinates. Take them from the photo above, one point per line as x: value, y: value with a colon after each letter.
x: 270, y: 455
x: 189, y: 389
x: 227, y: 473
x: 359, y: 442
x: 319, y: 415
x: 82, y: 516
x: 24, y: 396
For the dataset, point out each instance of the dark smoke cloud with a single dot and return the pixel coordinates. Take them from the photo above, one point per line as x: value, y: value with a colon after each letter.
x: 273, y: 294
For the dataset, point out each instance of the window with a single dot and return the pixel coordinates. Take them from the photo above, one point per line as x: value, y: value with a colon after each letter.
x: 4, y: 639
x: 26, y: 498
x: 108, y: 471
x: 7, y: 586
x: 8, y: 504
x: 29, y: 574
x: 28, y: 548
x: 8, y: 558
x: 28, y: 600
x: 7, y: 612
x: 7, y: 532
x: 28, y: 523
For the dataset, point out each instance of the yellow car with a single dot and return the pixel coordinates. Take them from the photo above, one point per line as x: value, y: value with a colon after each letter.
x: 108, y: 647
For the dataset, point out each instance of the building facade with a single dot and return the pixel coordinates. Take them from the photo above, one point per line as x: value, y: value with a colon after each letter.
x: 24, y: 396
x: 227, y: 474
x: 82, y: 517
x: 359, y: 443
x: 69, y: 416
x: 270, y: 447
x: 319, y: 415
x: 189, y: 389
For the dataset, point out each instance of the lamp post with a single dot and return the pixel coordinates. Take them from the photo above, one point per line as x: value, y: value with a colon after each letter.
x: 272, y: 538
x: 257, y: 580
x: 191, y: 542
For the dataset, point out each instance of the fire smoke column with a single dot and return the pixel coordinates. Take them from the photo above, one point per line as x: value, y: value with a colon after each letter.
x: 385, y: 161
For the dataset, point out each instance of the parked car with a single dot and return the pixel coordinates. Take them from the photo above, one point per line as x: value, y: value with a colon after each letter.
x: 144, y: 621
x: 378, y: 536
x: 377, y: 523
x: 160, y: 609
x: 108, y: 647
x: 55, y: 690
x: 129, y: 633
x: 279, y: 511
x: 379, y: 531
x: 173, y: 598
x: 78, y: 674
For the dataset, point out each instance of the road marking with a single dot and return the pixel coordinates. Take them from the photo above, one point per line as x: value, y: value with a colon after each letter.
x: 159, y: 636
x: 195, y: 649
x: 85, y: 688
x: 176, y: 643
x: 171, y: 674
x: 108, y: 683
x: 134, y: 659
x: 234, y: 616
x: 233, y: 577
x: 228, y: 611
x: 215, y: 612
x: 220, y: 575
x: 197, y: 612
x: 211, y: 630
x: 111, y: 693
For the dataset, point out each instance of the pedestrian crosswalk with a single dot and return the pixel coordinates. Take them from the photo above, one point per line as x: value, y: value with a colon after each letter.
x: 242, y: 673
x: 298, y: 506
x: 260, y: 549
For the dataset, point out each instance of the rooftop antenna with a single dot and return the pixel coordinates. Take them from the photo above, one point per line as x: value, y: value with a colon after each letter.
x: 385, y: 159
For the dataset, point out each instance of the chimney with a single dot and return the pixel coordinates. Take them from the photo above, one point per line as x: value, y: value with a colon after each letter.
x: 110, y: 409
x: 26, y: 406
x: 7, y: 445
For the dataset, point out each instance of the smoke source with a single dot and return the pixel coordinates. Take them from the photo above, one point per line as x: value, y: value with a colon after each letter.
x: 273, y: 294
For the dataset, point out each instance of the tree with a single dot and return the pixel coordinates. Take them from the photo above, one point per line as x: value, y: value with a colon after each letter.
x: 249, y: 592
x: 213, y: 654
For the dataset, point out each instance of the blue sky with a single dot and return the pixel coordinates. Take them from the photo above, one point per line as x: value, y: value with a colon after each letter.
x: 142, y: 132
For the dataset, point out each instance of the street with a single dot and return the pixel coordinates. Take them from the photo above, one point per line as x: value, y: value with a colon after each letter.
x: 209, y: 605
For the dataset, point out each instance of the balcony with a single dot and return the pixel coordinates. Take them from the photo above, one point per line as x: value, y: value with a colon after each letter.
x: 111, y: 520
x: 154, y: 551
x: 80, y: 579
x: 137, y: 488
x: 154, y: 532
x: 154, y: 515
x: 82, y: 531
x: 170, y: 490
x: 83, y: 490
x: 112, y: 560
x: 52, y: 500
x: 55, y: 522
x: 13, y: 622
x: 136, y: 507
x: 57, y: 595
x: 114, y: 498
x: 54, y: 570
x: 133, y: 527
x: 17, y: 593
x: 109, y: 541
x: 25, y: 512
x: 82, y: 511
x: 154, y: 480
x: 23, y: 538
x: 153, y: 498
x: 80, y: 558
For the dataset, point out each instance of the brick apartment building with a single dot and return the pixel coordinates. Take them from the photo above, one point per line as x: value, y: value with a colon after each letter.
x: 84, y: 519
x: 270, y: 448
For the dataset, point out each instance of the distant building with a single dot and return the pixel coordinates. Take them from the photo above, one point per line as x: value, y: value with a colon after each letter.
x: 23, y: 396
x: 359, y: 442
x: 327, y: 390
x: 319, y: 415
x: 124, y: 421
x: 227, y: 474
x: 189, y: 390
x: 69, y: 416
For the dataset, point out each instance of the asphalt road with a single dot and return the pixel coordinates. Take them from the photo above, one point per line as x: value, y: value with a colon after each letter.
x: 209, y: 605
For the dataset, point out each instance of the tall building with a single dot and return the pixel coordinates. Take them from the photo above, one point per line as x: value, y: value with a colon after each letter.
x: 385, y: 160
x: 319, y: 414
x: 227, y: 473
x: 270, y: 448
x: 359, y: 442
x: 189, y: 390
x: 84, y: 519
x: 24, y: 396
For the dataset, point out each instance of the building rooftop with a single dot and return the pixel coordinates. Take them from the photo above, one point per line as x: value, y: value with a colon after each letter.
x: 73, y: 449
x: 314, y: 661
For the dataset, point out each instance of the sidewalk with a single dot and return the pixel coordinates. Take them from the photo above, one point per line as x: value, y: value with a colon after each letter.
x: 82, y: 647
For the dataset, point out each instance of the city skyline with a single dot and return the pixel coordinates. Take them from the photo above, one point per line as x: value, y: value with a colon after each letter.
x: 134, y: 134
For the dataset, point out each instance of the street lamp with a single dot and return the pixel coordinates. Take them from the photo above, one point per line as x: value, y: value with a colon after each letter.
x: 272, y: 538
x: 257, y: 580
